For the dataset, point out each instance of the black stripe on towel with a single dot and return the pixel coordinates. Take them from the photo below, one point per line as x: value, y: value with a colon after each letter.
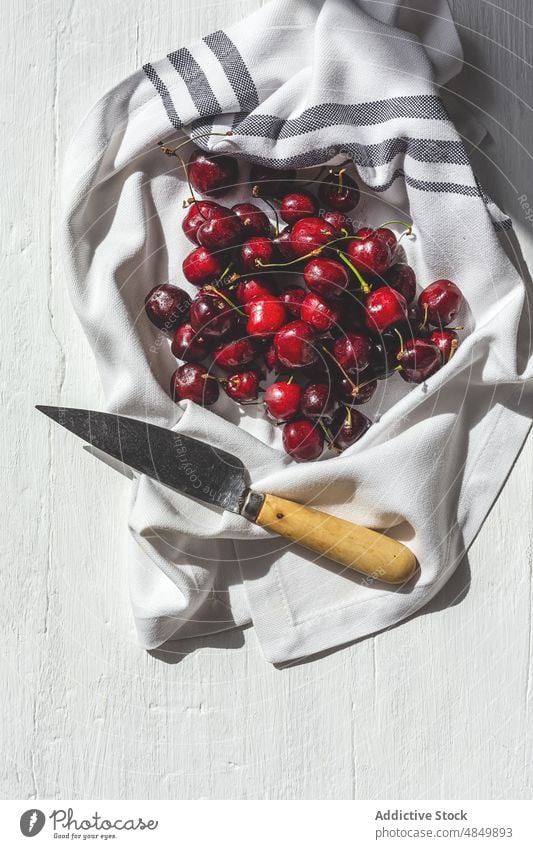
x: 164, y: 94
x: 202, y: 94
x: 236, y: 71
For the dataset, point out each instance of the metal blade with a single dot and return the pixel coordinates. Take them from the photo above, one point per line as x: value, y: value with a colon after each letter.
x: 187, y: 465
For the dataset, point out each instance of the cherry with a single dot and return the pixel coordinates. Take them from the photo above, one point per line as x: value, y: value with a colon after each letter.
x: 364, y: 232
x: 350, y: 393
x: 419, y: 359
x: 166, y: 306
x: 310, y: 234
x: 189, y: 345
x: 212, y: 316
x: 298, y: 205
x: 416, y: 326
x: 319, y: 371
x: 402, y: 278
x: 294, y: 344
x: 369, y: 256
x: 271, y: 360
x: 388, y: 237
x: 253, y: 220
x: 326, y: 277
x: 234, y: 354
x: 284, y: 244
x: 220, y: 231
x: 190, y: 382
x: 302, y: 440
x: 339, y: 222
x: 383, y: 353
x: 383, y: 308
x: 257, y: 251
x: 347, y: 427
x: 352, y: 313
x: 198, y: 213
x: 253, y: 287
x: 201, y: 267
x: 283, y: 400
x: 271, y: 182
x: 441, y: 301
x: 447, y: 342
x: 339, y: 192
x: 318, y: 401
x: 319, y: 313
x: 265, y: 316
x: 212, y: 174
x: 352, y: 351
x: 292, y: 298
x: 243, y: 387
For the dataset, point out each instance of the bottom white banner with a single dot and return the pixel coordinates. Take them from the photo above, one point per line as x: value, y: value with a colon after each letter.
x: 205, y: 824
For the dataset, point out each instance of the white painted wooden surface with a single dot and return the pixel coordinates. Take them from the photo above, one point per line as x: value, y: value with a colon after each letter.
x: 439, y: 707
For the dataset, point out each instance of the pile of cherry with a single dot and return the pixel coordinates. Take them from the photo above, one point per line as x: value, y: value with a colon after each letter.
x: 355, y: 322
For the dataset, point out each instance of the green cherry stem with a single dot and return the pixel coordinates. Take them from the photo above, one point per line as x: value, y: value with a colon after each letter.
x: 365, y: 288
x: 345, y: 373
x: 408, y: 227
x: 225, y: 298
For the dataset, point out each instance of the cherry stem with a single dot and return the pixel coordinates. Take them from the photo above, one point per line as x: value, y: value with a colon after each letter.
x: 453, y: 348
x: 402, y: 349
x: 365, y: 288
x: 424, y: 323
x: 171, y: 151
x: 345, y: 373
x: 174, y: 152
x: 310, y: 255
x: 408, y: 227
x: 339, y: 174
x: 270, y: 206
x: 291, y: 379
x: 225, y: 298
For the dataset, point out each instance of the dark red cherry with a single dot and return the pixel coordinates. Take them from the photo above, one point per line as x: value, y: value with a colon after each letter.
x: 253, y: 287
x: 441, y: 301
x: 388, y: 237
x: 447, y: 341
x: 383, y: 352
x: 272, y: 182
x: 302, y: 440
x: 419, y: 359
x: 292, y: 298
x: 364, y: 232
x: 253, y: 220
x: 271, y: 360
x: 347, y: 427
x: 220, y: 231
x: 352, y: 393
x: 352, y: 312
x: 416, y: 326
x: 256, y: 252
x: 321, y: 314
x: 295, y: 344
x: 166, y: 306
x: 235, y: 354
x: 201, y: 267
x: 190, y: 382
x: 339, y: 192
x: 402, y: 278
x: 243, y: 387
x: 284, y: 245
x: 298, y: 205
x: 352, y: 351
x: 370, y: 256
x: 327, y: 277
x: 310, y: 234
x: 197, y: 214
x: 212, y: 316
x: 318, y: 401
x: 212, y: 174
x: 283, y: 400
x: 265, y: 316
x: 189, y: 345
x: 339, y: 222
x: 384, y: 307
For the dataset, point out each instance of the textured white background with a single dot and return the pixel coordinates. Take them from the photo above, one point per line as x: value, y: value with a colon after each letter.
x: 440, y: 707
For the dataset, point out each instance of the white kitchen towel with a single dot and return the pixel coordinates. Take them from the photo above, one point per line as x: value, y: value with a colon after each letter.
x: 301, y: 83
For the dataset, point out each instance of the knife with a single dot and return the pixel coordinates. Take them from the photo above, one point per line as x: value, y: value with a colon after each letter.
x: 209, y: 474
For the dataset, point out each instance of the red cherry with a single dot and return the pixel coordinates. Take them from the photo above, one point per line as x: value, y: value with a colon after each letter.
x: 318, y: 401
x: 326, y: 277
x: 253, y: 220
x: 190, y: 383
x: 364, y: 232
x: 319, y: 313
x: 197, y: 214
x: 310, y: 234
x: 272, y: 182
x: 189, y: 345
x: 370, y: 256
x: 339, y: 192
x: 201, y: 267
x: 419, y: 359
x: 339, y: 222
x: 265, y: 316
x: 257, y: 251
x: 416, y: 326
x: 212, y: 174
x: 352, y: 351
x: 283, y: 400
x: 347, y: 427
x: 442, y: 301
x: 402, y: 278
x: 298, y: 205
x: 383, y: 308
x: 350, y: 393
x: 166, y: 306
x: 271, y: 360
x: 212, y: 316
x: 243, y: 387
x: 253, y: 287
x: 294, y: 344
x: 284, y: 245
x: 292, y: 298
x: 220, y: 231
x: 302, y: 440
x: 388, y: 237
x: 447, y: 341
x: 234, y: 354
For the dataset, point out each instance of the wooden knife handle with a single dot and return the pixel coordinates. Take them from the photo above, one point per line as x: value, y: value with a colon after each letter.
x: 358, y: 548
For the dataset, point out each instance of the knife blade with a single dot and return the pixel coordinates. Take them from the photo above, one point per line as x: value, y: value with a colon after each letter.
x: 206, y: 473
